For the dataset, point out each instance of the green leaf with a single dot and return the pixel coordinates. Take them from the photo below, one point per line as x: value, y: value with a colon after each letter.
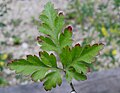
x: 45, y: 29
x: 43, y: 68
x: 78, y: 57
x: 65, y: 38
x: 23, y: 66
x: 48, y: 60
x: 52, y: 23
x: 39, y: 74
x: 80, y: 67
x: 75, y: 60
x: 70, y: 74
x: 52, y: 79
x: 59, y: 24
x: 34, y: 60
x: 89, y: 52
x: 66, y: 57
x: 47, y: 44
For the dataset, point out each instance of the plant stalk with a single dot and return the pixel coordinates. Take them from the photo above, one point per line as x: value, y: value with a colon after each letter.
x: 73, y: 89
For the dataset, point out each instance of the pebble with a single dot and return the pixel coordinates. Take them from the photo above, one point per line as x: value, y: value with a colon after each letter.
x: 24, y: 45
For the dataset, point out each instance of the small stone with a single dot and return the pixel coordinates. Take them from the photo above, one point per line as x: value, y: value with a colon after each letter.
x: 25, y: 45
x: 73, y: 92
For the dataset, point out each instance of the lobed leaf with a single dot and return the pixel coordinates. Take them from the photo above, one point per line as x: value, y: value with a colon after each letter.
x: 75, y: 60
x: 59, y: 24
x: 47, y: 44
x: 70, y: 74
x: 49, y: 60
x: 52, y: 23
x: 43, y: 68
x: 65, y: 38
x: 78, y: 58
x: 52, y: 79
x: 89, y: 52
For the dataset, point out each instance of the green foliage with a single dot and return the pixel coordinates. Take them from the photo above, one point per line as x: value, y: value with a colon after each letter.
x: 75, y: 60
x: 3, y: 58
x: 117, y: 3
x: 96, y: 16
x: 2, y: 12
x: 16, y: 40
x: 16, y: 22
x: 52, y: 23
x: 47, y: 44
x: 2, y: 25
x: 39, y: 69
x: 3, y: 81
x: 80, y: 11
x: 3, y: 8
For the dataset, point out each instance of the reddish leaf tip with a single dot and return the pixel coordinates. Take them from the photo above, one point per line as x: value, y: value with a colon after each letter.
x: 101, y: 44
x: 48, y: 35
x: 51, y: 54
x: 61, y: 13
x: 38, y: 39
x: 77, y: 44
x: 95, y: 44
x: 11, y: 61
x: 69, y: 28
x: 39, y: 54
x: 98, y: 44
x: 89, y: 70
x: 27, y: 55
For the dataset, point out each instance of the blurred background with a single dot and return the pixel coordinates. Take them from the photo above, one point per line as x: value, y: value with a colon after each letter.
x: 93, y: 21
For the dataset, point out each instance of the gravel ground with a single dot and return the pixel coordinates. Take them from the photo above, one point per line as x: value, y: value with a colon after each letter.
x: 23, y: 10
x: 19, y: 21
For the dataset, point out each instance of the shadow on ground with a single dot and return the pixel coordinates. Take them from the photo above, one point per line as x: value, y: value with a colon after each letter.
x: 98, y: 82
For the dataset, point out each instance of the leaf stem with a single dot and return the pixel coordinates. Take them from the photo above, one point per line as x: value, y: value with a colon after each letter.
x: 73, y: 89
x: 61, y: 69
